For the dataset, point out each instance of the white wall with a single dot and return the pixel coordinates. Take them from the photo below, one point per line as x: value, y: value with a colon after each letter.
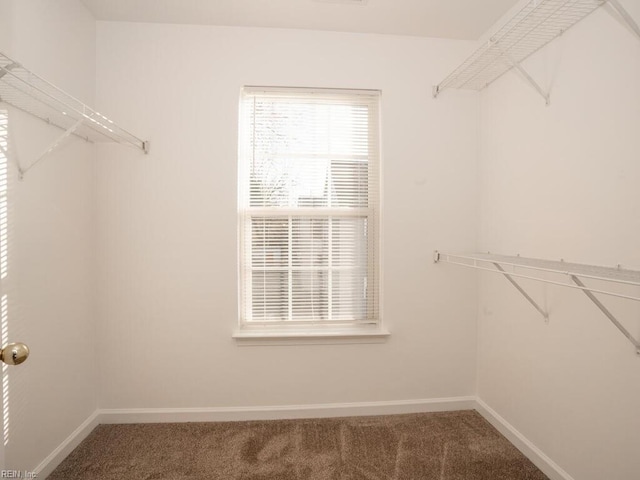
x: 167, y: 221
x: 562, y: 182
x: 51, y: 257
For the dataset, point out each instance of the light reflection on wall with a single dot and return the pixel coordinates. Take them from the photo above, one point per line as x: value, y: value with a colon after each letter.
x: 4, y: 264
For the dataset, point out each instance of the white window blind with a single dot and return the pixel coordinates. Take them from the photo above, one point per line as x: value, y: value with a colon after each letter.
x: 309, y: 206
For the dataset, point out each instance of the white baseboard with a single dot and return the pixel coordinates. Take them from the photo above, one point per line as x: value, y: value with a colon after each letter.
x: 533, y: 453
x: 54, y: 459
x: 225, y: 414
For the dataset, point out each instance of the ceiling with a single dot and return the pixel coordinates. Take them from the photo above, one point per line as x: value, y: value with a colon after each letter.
x: 460, y: 19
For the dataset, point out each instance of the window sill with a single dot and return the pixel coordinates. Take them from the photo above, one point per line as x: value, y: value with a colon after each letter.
x: 310, y: 336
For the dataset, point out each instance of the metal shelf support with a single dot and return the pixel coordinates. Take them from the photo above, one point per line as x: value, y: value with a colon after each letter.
x: 529, y: 78
x: 628, y: 19
x: 56, y: 143
x: 521, y: 290
x: 607, y: 313
x: 7, y: 69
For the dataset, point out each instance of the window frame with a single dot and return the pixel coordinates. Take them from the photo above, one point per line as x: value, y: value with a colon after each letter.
x: 368, y: 330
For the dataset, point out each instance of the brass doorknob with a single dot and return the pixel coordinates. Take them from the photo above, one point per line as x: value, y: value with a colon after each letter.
x: 14, y: 353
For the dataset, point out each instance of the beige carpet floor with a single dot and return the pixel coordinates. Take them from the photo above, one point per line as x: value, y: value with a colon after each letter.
x: 435, y: 446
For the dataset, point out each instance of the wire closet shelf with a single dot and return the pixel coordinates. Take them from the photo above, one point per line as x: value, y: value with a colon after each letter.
x: 548, y: 271
x: 30, y: 93
x: 533, y: 27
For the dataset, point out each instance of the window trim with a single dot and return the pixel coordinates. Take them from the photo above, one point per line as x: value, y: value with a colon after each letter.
x: 308, y: 335
x: 308, y: 332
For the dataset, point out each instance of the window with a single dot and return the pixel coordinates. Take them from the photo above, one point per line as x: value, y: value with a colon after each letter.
x: 309, y: 210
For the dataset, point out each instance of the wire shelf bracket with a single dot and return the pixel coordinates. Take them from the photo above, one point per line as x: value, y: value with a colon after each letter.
x: 546, y: 95
x: 626, y: 17
x: 522, y: 291
x: 537, y: 24
x: 575, y: 272
x: 26, y: 91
